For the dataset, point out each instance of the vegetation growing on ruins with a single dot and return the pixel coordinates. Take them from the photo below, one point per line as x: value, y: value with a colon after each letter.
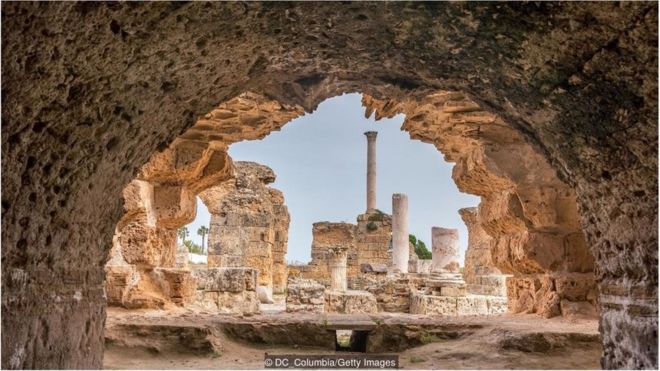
x: 420, y: 247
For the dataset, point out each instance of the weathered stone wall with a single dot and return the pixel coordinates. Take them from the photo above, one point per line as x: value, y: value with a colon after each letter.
x: 528, y: 211
x: 350, y: 302
x: 92, y: 90
x: 367, y: 242
x: 281, y: 240
x: 479, y: 271
x: 373, y: 236
x: 392, y: 292
x: 139, y: 246
x: 249, y: 223
x: 305, y: 296
x: 326, y: 235
x: 421, y: 303
x: 226, y: 290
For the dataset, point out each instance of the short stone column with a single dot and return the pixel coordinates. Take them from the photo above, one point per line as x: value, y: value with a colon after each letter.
x: 445, y: 249
x: 400, y: 247
x: 371, y: 170
x: 337, y: 258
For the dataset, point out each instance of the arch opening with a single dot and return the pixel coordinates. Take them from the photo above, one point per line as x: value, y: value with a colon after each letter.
x: 86, y: 104
x: 526, y: 225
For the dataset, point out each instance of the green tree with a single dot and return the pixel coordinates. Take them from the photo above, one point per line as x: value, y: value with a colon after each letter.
x: 420, y: 247
x: 202, y: 231
x: 183, y: 234
x: 192, y: 247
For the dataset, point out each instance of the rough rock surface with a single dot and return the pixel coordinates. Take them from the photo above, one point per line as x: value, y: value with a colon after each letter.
x: 92, y: 90
x: 392, y: 292
x: 367, y: 242
x: 305, y: 296
x: 470, y: 305
x: 528, y: 211
x: 249, y: 222
x: 226, y: 290
x: 350, y: 302
x: 479, y: 272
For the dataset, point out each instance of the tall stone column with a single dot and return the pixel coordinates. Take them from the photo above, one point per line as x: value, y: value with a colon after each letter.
x: 400, y: 249
x: 445, y: 249
x: 337, y: 259
x: 371, y: 170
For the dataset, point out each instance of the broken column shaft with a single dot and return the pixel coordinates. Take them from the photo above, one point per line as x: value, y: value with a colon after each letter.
x: 337, y: 262
x: 371, y: 170
x: 445, y: 249
x: 400, y: 249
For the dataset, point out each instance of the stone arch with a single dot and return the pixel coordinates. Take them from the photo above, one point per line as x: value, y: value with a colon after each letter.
x: 86, y: 104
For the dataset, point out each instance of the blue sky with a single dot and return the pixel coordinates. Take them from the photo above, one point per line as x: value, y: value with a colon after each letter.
x: 320, y: 161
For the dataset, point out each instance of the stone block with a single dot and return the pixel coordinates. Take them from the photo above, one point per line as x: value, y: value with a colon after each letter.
x: 305, y: 296
x: 177, y: 284
x: 471, y: 306
x: 226, y: 279
x: 453, y: 291
x: 350, y: 302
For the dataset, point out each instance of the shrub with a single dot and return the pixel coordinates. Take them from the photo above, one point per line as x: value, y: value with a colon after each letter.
x: 416, y: 359
x: 371, y: 226
x: 193, y: 247
x: 420, y: 247
x: 428, y: 338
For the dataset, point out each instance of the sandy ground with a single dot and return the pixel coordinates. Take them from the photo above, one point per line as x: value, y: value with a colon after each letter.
x: 481, y: 350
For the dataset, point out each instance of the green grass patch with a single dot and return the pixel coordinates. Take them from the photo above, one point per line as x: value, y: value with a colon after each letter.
x: 428, y: 338
x: 416, y: 359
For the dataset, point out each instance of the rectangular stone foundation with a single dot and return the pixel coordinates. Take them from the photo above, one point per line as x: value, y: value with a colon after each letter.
x: 350, y: 302
x: 456, y: 306
x: 227, y: 290
x: 488, y: 285
x: 307, y: 296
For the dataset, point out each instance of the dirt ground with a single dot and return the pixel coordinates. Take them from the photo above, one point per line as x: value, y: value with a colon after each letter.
x: 499, y: 342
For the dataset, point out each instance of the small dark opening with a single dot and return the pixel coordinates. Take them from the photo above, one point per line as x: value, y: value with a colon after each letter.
x: 351, y: 341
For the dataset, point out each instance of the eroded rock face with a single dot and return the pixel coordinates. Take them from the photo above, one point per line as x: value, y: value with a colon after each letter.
x: 86, y: 102
x: 529, y: 213
x: 350, y: 302
x: 249, y: 224
x: 305, y: 296
x: 226, y: 290
x: 479, y: 271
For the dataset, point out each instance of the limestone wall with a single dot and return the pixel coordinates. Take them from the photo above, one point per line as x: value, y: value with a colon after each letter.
x: 305, y: 296
x: 372, y: 241
x: 326, y: 235
x: 577, y: 81
x: 529, y: 213
x: 249, y: 224
x: 226, y: 290
x: 367, y: 242
x: 479, y: 272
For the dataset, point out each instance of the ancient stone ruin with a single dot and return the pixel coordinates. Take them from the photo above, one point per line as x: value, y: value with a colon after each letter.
x: 249, y: 225
x: 116, y: 115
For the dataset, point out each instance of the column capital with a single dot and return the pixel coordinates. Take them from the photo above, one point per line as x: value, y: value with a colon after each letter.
x: 371, y: 134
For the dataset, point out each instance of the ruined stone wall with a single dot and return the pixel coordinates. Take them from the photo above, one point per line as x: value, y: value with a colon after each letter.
x: 92, y: 90
x: 326, y: 235
x: 479, y: 271
x: 367, y: 242
x: 249, y: 224
x: 226, y: 290
x: 139, y: 246
x: 528, y: 211
x: 373, y: 234
x: 281, y: 240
